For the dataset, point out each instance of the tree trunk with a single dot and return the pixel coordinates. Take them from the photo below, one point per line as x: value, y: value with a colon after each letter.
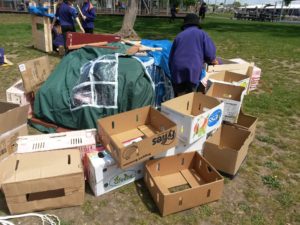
x: 127, y: 30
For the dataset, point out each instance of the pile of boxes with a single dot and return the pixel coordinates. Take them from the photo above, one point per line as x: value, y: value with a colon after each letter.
x: 180, y: 151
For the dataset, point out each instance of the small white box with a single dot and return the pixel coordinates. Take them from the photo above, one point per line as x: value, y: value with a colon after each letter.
x: 195, y: 115
x: 104, y: 175
x: 15, y: 94
x: 184, y: 148
x: 232, y: 96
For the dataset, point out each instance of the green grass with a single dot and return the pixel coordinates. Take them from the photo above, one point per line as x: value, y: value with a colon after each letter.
x: 266, y: 191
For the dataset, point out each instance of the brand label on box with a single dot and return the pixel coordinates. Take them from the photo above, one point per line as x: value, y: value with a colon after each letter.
x: 165, y: 138
x: 122, y: 178
x: 215, y: 117
x: 22, y: 67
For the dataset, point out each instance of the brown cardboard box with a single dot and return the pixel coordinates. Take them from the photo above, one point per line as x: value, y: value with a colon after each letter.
x: 43, y: 180
x: 247, y: 122
x: 8, y: 140
x: 12, y: 116
x: 182, y: 182
x: 227, y: 148
x: 156, y: 131
x: 34, y: 73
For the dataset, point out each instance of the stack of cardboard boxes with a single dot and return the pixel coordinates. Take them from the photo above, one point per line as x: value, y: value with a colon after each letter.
x: 179, y: 150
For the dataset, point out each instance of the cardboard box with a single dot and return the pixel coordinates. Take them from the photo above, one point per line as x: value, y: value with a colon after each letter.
x: 182, y: 181
x: 232, y: 96
x: 15, y: 94
x: 43, y: 180
x: 246, y: 122
x: 104, y: 175
x: 230, y: 66
x: 184, y: 148
x: 227, y: 148
x: 195, y: 115
x: 34, y: 73
x: 231, y: 78
x: 12, y: 116
x: 158, y: 134
x: 8, y: 140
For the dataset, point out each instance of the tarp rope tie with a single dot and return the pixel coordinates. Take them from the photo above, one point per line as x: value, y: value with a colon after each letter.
x: 47, y: 219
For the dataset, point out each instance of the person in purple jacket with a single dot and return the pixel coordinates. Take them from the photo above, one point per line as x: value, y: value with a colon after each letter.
x: 89, y: 15
x: 190, y: 50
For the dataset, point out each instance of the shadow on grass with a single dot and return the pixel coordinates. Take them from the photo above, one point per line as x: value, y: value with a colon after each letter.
x: 145, y: 196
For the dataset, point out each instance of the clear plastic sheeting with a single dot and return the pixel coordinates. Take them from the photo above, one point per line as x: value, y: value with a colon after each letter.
x: 98, y: 84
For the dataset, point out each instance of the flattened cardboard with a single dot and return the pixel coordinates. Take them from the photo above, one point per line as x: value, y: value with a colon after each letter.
x: 231, y: 78
x: 232, y: 96
x: 43, y: 180
x: 8, y: 140
x: 165, y: 178
x: 195, y: 115
x: 12, y: 116
x: 104, y: 174
x: 34, y: 73
x: 159, y: 135
x: 227, y: 148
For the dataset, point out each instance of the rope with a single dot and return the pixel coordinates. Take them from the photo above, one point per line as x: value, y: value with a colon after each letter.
x: 47, y: 219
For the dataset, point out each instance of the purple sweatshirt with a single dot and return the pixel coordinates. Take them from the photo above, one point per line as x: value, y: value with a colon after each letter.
x: 90, y: 14
x: 191, y: 48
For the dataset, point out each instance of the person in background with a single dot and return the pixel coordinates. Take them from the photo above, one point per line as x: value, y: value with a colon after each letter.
x: 190, y: 50
x: 67, y: 14
x: 89, y: 15
x: 173, y: 13
x: 202, y: 10
x: 57, y: 37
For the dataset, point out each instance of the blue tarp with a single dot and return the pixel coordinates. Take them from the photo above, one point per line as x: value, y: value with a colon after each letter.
x: 40, y: 11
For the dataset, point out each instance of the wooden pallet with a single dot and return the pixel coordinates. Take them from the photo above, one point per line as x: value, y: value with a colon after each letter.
x: 41, y: 33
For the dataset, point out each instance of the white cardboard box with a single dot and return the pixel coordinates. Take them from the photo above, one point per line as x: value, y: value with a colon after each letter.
x: 232, y: 96
x: 195, y: 115
x: 104, y: 175
x: 15, y: 94
x: 184, y: 148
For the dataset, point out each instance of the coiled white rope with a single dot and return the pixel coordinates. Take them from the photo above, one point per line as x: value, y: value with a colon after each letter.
x: 47, y: 219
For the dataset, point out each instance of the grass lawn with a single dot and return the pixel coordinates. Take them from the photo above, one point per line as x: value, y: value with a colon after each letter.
x: 266, y: 190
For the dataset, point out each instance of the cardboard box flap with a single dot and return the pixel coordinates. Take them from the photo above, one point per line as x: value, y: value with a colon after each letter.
x: 159, y: 122
x: 38, y: 165
x: 12, y: 116
x: 227, y: 76
x: 192, y: 104
x: 247, y: 121
x: 34, y: 73
x: 219, y: 90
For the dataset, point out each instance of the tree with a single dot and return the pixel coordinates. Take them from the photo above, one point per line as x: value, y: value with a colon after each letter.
x: 287, y: 2
x: 236, y: 4
x: 127, y: 30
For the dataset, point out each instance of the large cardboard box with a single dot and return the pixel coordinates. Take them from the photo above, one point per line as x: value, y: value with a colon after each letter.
x: 232, y: 96
x: 182, y: 181
x: 227, y: 148
x: 34, y: 73
x: 227, y: 77
x: 8, y: 140
x: 184, y: 148
x: 156, y: 134
x: 242, y: 68
x: 43, y: 180
x: 104, y: 175
x: 195, y: 115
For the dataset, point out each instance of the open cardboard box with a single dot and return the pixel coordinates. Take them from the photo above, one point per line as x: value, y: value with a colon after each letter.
x: 34, y: 73
x: 195, y: 115
x: 182, y: 181
x: 232, y: 96
x: 227, y: 77
x: 227, y: 148
x: 42, y: 180
x: 156, y: 133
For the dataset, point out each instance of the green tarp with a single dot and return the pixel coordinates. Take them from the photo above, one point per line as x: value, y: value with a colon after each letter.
x: 53, y: 102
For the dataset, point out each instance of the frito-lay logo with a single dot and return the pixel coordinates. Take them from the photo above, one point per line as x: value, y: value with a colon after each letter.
x: 122, y: 178
x: 165, y: 138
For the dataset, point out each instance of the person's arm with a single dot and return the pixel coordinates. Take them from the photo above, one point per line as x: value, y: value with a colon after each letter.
x: 90, y: 15
x: 209, y: 49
